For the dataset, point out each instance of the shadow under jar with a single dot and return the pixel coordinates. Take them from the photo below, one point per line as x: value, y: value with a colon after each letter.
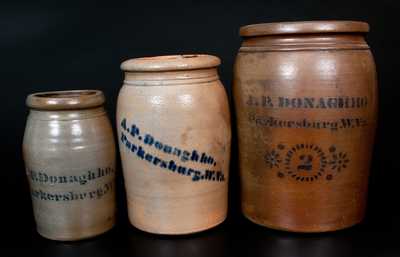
x: 174, y: 137
x: 306, y: 102
x: 69, y: 154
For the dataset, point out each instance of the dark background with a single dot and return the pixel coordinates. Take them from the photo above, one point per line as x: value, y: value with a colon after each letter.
x: 61, y: 45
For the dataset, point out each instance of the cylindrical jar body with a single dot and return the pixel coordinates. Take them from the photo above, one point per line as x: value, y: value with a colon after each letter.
x: 306, y: 103
x: 69, y: 156
x: 174, y: 136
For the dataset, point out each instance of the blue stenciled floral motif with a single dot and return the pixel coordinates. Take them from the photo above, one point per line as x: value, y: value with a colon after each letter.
x: 339, y: 160
x: 272, y: 159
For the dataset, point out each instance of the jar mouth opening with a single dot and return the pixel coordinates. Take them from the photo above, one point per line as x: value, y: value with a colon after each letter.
x: 171, y: 63
x: 303, y: 27
x: 65, y: 100
x: 65, y: 94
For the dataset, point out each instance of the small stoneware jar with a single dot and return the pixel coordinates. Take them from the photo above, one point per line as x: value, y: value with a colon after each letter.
x: 174, y: 136
x: 69, y: 154
x: 306, y: 103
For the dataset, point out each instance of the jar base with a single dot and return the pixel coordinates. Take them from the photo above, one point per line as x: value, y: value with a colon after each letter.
x: 76, y: 237
x: 315, y: 229
x: 182, y: 232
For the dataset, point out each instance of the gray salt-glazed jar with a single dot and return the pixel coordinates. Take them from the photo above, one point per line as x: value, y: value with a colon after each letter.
x: 69, y: 154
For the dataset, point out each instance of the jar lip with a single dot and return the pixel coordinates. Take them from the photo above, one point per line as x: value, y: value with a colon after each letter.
x: 171, y: 62
x: 65, y: 100
x: 304, y: 27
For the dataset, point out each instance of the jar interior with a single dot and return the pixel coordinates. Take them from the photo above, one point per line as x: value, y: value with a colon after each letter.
x: 65, y: 100
x: 65, y: 94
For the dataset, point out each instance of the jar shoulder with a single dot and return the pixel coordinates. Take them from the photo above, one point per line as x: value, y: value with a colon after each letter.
x: 305, y: 65
x: 190, y: 97
x: 67, y: 135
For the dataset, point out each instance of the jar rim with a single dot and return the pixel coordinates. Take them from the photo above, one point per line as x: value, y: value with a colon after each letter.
x: 303, y: 27
x: 66, y: 100
x: 171, y: 62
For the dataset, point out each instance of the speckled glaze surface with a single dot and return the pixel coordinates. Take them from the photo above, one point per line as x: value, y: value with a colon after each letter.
x: 174, y: 136
x: 305, y: 95
x: 69, y: 154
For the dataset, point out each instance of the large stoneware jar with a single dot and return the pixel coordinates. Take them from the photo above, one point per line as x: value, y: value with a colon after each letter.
x: 69, y: 154
x: 306, y: 103
x: 174, y: 136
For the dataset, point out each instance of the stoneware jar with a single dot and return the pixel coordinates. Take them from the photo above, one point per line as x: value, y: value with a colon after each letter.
x: 69, y: 154
x: 306, y: 101
x: 174, y: 136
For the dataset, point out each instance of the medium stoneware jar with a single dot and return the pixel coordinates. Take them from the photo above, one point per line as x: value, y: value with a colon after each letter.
x: 174, y: 136
x: 306, y: 101
x: 69, y: 154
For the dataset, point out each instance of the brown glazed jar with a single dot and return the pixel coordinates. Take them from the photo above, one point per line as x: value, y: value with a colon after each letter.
x: 174, y: 136
x: 306, y: 101
x: 69, y: 154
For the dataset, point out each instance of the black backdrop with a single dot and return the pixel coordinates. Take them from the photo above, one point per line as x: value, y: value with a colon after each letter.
x: 62, y: 45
